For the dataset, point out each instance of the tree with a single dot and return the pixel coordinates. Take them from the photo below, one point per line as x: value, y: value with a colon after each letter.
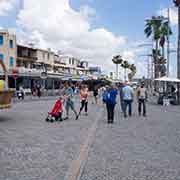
x: 132, y: 73
x: 153, y: 28
x: 118, y: 61
x: 165, y: 33
x: 158, y: 28
x: 125, y: 65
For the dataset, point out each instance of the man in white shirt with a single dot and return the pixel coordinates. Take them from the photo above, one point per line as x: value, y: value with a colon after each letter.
x: 128, y: 95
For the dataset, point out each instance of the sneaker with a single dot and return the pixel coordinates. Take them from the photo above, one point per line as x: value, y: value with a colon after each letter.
x: 77, y: 117
x: 86, y: 114
x: 66, y: 118
x: 60, y: 119
x: 47, y: 120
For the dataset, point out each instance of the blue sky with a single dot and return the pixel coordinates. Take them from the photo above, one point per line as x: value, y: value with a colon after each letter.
x: 123, y: 18
x: 126, y: 17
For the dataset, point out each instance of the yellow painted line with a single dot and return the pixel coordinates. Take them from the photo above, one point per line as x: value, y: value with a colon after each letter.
x: 78, y: 164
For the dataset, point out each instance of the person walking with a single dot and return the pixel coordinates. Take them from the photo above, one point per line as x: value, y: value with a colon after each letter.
x: 128, y: 95
x: 142, y: 98
x: 121, y: 97
x: 69, y: 104
x: 95, y: 94
x: 84, y: 99
x: 110, y: 99
x: 38, y: 88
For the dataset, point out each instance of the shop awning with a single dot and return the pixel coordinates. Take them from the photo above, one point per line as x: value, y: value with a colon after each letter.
x: 168, y: 79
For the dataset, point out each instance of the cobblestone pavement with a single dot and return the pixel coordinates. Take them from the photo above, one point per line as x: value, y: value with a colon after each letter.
x: 33, y: 98
x: 137, y: 148
x: 32, y: 149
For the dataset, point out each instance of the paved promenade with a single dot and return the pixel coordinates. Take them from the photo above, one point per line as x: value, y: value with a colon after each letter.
x: 137, y: 148
x: 89, y: 149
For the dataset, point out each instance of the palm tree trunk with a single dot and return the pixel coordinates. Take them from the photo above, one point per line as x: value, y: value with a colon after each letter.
x: 125, y: 74
x: 163, y: 52
x: 117, y: 71
x: 178, y: 54
x: 156, y: 68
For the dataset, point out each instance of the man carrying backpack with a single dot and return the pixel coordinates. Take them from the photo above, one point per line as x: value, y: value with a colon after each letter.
x: 110, y: 100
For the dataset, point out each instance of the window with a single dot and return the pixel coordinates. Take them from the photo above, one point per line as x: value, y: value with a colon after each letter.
x: 11, y: 61
x: 1, y: 57
x: 11, y: 43
x: 1, y: 40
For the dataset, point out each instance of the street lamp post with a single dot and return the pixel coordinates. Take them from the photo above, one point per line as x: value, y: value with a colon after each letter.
x: 168, y: 44
x: 149, y: 70
x: 177, y: 4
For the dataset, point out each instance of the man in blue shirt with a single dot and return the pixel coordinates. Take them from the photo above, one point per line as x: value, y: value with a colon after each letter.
x: 110, y: 100
x: 128, y: 95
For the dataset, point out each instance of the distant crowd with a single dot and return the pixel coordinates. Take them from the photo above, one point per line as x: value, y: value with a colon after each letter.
x: 107, y: 93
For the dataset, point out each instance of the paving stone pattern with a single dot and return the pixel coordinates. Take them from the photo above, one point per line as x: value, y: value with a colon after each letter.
x: 32, y: 149
x: 137, y: 148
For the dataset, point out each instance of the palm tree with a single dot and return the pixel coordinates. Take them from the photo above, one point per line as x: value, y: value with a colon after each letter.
x: 132, y: 73
x: 153, y: 28
x: 125, y: 65
x: 158, y: 29
x: 118, y: 61
x: 165, y: 33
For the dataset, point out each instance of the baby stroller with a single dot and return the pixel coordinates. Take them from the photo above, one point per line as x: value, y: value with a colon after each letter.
x: 56, y: 113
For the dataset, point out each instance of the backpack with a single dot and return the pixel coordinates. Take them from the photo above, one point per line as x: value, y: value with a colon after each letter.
x: 105, y: 97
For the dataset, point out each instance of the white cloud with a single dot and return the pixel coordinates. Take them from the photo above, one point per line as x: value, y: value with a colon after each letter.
x: 6, y: 6
x: 53, y: 23
x: 173, y: 14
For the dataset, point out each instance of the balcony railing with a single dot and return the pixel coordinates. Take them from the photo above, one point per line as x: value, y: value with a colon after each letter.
x: 26, y: 58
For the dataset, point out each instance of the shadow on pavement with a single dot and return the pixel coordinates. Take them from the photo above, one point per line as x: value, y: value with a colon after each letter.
x: 4, y: 118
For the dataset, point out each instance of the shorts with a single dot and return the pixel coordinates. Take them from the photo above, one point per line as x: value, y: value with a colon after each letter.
x: 69, y: 104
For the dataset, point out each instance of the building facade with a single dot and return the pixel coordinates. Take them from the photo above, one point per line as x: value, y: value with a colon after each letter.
x: 8, y: 49
x: 31, y: 62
